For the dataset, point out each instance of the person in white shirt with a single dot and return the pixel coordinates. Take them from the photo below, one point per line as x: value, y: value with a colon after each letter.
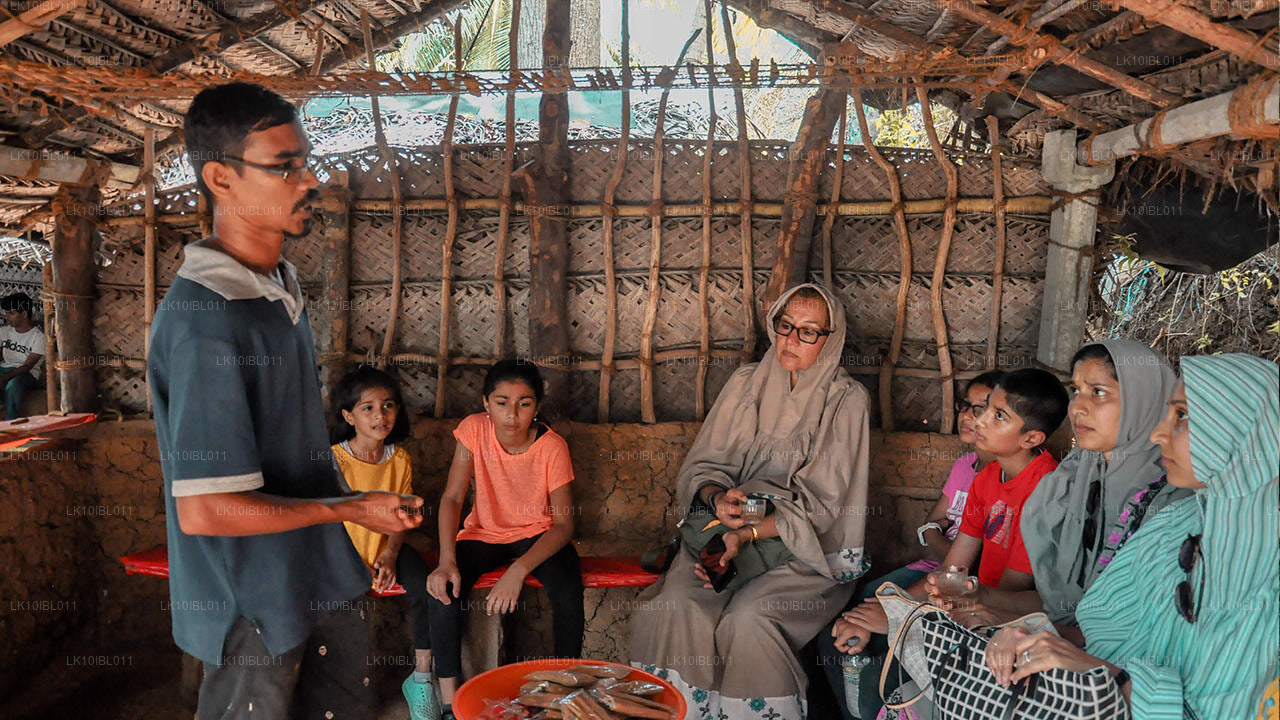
x: 21, y: 352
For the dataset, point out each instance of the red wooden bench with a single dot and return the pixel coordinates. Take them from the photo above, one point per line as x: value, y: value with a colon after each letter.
x: 597, y: 572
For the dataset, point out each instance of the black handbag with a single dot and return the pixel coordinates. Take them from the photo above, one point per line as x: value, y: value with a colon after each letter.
x: 964, y: 688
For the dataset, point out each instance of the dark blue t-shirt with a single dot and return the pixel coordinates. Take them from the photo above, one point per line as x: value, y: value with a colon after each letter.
x: 238, y: 408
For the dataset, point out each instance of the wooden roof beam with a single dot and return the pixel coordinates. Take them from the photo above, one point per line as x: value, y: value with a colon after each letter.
x: 64, y: 168
x: 1190, y: 21
x: 1200, y: 120
x: 36, y: 18
x: 1047, y: 47
x: 915, y: 42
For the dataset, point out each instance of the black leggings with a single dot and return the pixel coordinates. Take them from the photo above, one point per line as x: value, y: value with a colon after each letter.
x: 560, y: 574
x: 411, y: 573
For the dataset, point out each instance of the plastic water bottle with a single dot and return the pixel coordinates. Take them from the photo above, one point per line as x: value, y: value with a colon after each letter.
x: 852, y: 669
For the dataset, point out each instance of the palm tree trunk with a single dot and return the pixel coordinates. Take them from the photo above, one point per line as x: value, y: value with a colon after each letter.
x: 584, y: 33
x: 533, y: 17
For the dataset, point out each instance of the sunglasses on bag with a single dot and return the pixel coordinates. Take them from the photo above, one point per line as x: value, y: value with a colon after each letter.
x: 1189, y: 603
x: 1091, y: 522
x: 1089, y: 539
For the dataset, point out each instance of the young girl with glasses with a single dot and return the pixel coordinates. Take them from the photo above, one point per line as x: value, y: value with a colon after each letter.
x: 941, y: 526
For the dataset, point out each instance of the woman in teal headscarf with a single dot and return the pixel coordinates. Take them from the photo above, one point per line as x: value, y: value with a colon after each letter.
x: 1187, y: 616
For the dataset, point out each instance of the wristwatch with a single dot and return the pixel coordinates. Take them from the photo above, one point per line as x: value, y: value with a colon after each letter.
x: 920, y: 531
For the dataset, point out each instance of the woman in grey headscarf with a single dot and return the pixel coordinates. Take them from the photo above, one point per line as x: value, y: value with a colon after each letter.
x: 1079, y: 516
x: 793, y: 427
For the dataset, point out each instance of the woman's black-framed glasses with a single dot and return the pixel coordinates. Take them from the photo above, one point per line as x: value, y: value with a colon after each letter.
x: 1188, y: 602
x: 291, y: 175
x: 964, y: 406
x: 808, y: 336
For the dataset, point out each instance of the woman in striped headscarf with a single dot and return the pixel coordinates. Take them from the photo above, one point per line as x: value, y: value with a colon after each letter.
x: 1187, y: 616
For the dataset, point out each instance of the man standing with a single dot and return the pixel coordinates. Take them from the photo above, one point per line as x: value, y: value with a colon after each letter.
x: 21, y: 352
x: 263, y: 578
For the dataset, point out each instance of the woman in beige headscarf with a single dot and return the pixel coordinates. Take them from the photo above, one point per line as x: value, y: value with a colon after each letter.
x: 794, y: 428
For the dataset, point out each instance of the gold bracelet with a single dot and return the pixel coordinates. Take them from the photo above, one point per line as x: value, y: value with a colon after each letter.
x: 755, y: 536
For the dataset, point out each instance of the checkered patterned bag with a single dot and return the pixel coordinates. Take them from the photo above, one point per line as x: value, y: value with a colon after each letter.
x: 964, y: 688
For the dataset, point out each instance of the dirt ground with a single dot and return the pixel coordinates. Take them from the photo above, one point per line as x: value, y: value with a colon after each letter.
x: 142, y: 684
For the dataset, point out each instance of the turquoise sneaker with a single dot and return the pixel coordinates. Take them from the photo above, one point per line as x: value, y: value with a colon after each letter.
x: 423, y: 704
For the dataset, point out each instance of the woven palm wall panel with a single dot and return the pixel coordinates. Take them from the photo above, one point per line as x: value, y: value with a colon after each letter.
x: 866, y: 266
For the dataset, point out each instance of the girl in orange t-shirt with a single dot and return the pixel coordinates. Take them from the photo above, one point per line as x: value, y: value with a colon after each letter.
x: 523, y: 515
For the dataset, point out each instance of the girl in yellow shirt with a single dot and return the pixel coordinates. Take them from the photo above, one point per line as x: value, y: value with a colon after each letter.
x: 371, y: 418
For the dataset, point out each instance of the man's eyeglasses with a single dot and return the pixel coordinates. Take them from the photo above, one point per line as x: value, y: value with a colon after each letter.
x: 290, y: 174
x: 1188, y: 603
x: 964, y: 406
x: 808, y: 336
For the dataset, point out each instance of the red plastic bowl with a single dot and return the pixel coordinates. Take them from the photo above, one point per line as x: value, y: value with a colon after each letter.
x: 504, y: 683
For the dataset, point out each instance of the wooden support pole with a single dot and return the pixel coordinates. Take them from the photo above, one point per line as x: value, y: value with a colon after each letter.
x: 997, y: 271
x: 450, y: 234
x: 547, y: 184
x: 799, y: 207
x: 647, y: 412
x: 203, y: 216
x: 397, y: 209
x: 504, y: 213
x: 51, y: 374
x: 335, y: 206
x: 1068, y: 274
x: 75, y: 208
x: 704, y: 269
x: 829, y: 220
x: 1189, y: 21
x: 744, y: 181
x: 149, y: 243
x: 940, y: 264
x: 606, y: 204
x: 1047, y: 47
x: 904, y: 266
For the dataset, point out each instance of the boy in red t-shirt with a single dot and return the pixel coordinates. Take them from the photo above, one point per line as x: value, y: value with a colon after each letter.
x: 1025, y: 407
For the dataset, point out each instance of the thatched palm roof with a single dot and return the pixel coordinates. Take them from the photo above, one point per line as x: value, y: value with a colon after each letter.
x: 1135, y: 45
x: 1091, y: 64
x: 170, y: 38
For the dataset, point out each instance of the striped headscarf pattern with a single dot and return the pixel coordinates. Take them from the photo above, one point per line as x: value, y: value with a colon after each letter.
x: 1217, y: 665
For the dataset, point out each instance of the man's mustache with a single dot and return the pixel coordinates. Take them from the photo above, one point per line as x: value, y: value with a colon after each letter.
x: 309, y: 199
